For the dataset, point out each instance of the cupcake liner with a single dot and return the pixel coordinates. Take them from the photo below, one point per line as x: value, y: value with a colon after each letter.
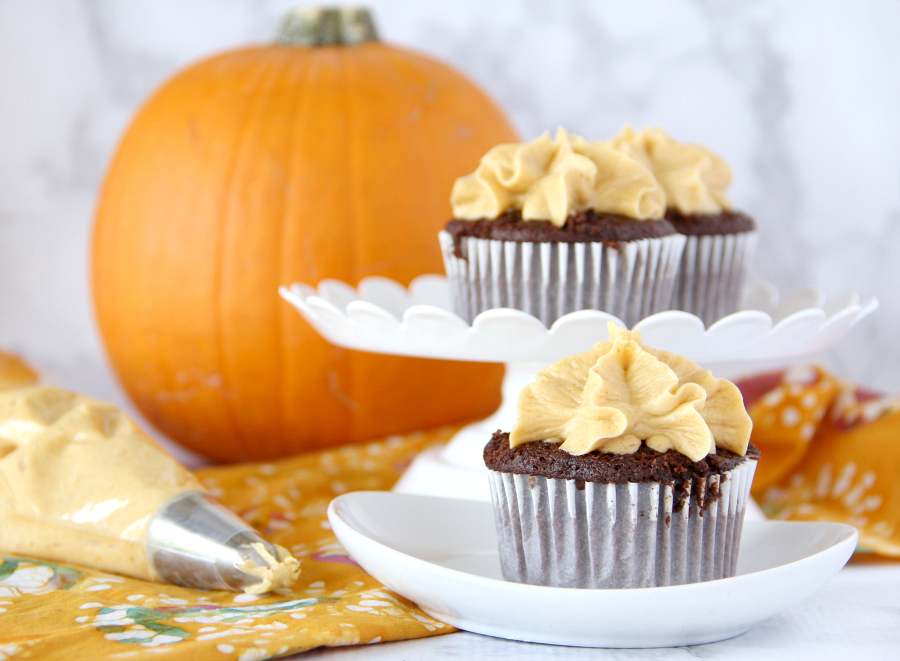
x: 549, y: 280
x: 712, y: 272
x: 552, y: 533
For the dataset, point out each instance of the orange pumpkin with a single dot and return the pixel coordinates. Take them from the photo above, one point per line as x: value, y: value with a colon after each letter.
x: 265, y: 166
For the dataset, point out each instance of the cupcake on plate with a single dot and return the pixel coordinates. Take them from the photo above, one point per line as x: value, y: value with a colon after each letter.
x: 628, y: 467
x: 557, y: 225
x: 720, y: 241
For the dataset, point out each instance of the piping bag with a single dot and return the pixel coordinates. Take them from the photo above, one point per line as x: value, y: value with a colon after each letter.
x: 81, y: 483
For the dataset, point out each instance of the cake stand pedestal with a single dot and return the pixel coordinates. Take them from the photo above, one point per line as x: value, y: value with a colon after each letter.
x: 382, y: 316
x: 457, y: 469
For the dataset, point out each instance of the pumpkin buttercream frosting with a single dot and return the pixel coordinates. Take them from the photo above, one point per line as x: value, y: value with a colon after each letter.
x: 81, y: 483
x: 693, y: 177
x: 551, y: 178
x: 622, y: 393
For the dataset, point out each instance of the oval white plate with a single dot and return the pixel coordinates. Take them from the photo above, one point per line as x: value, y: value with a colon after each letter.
x: 384, y: 317
x: 441, y: 553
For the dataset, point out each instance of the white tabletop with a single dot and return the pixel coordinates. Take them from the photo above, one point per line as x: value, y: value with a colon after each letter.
x: 855, y: 616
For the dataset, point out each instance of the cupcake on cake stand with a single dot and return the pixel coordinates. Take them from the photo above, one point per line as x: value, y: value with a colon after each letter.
x: 382, y: 316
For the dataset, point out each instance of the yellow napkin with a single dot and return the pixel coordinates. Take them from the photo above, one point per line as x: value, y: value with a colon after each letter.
x: 830, y: 452
x: 51, y: 611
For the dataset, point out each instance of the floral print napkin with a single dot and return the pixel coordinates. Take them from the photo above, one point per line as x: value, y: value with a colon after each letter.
x: 52, y: 611
x: 830, y: 452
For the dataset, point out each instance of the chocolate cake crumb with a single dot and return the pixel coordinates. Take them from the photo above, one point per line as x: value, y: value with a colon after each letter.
x: 580, y: 227
x: 726, y: 222
x: 646, y: 465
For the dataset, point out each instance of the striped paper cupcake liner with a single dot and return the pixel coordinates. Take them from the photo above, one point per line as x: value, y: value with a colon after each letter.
x: 631, y: 279
x: 712, y: 273
x: 629, y: 535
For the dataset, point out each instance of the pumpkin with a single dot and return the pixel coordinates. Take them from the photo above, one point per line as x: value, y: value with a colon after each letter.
x: 327, y: 155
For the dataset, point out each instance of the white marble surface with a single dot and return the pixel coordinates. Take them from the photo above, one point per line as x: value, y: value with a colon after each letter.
x: 803, y: 99
x: 855, y: 616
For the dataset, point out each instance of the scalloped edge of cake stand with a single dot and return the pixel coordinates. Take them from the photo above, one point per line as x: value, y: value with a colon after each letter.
x: 382, y: 316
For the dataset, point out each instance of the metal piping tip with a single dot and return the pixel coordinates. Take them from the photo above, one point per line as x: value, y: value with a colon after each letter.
x: 195, y: 541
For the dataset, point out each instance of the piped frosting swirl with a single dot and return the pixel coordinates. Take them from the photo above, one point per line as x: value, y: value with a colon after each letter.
x: 549, y: 179
x: 693, y: 177
x: 621, y: 393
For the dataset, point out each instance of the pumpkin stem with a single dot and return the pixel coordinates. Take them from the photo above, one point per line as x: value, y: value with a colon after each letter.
x: 318, y: 26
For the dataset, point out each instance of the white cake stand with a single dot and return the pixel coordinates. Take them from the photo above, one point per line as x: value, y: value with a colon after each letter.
x: 382, y: 316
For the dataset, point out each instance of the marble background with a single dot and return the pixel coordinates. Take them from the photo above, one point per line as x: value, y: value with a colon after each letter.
x: 802, y: 98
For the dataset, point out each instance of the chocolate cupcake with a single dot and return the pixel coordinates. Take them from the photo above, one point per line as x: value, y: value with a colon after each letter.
x: 558, y: 225
x: 628, y: 467
x: 720, y: 242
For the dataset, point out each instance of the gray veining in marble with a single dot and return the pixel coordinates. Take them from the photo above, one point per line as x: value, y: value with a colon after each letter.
x: 802, y: 98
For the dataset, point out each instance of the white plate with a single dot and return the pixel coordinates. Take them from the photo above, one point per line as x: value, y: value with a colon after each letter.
x: 384, y: 317
x: 441, y: 553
